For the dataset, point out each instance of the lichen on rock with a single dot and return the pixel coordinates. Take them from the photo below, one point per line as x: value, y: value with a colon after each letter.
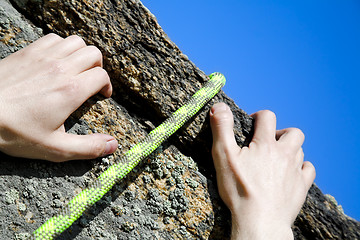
x: 170, y: 195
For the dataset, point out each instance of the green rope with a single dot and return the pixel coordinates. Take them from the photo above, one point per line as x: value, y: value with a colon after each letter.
x: 73, y: 210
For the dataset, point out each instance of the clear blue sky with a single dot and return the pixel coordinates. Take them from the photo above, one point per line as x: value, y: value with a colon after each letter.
x: 300, y: 59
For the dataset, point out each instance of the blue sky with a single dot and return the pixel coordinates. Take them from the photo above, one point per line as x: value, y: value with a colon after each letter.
x: 300, y: 59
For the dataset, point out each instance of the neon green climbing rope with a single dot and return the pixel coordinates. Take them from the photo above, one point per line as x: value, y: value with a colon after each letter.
x: 73, y: 210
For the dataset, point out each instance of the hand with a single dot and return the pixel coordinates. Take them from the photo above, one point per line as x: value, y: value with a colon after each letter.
x: 40, y: 86
x: 264, y: 185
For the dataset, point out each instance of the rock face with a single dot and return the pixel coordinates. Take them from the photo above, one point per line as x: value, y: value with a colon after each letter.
x: 172, y: 194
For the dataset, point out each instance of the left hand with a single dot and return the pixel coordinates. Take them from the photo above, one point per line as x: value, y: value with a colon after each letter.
x: 40, y: 86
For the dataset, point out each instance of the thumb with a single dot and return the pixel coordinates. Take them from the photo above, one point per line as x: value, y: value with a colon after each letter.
x: 222, y: 123
x: 309, y: 174
x: 71, y: 146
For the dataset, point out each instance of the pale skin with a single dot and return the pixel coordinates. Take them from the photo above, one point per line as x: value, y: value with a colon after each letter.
x: 40, y: 86
x: 264, y: 185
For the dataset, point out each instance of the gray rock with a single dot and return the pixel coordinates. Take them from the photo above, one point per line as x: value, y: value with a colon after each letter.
x: 169, y: 195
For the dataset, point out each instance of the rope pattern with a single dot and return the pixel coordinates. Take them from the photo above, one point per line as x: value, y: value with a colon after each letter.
x: 73, y: 210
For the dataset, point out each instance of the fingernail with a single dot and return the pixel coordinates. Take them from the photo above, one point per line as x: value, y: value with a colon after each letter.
x: 110, y: 147
x: 218, y: 107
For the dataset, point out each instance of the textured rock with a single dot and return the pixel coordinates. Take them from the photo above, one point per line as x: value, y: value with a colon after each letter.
x: 171, y: 195
x: 15, y: 31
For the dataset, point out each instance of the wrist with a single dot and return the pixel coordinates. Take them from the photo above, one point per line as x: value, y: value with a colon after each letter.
x: 257, y: 230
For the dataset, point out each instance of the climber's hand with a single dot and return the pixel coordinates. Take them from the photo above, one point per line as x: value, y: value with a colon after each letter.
x: 264, y: 185
x: 40, y: 86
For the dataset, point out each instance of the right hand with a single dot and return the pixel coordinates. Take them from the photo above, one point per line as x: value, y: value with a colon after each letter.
x: 264, y: 185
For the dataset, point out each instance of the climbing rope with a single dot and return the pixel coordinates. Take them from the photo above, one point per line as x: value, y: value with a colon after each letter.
x: 73, y: 210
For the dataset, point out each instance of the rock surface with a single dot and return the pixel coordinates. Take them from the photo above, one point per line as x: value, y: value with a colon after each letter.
x: 172, y: 194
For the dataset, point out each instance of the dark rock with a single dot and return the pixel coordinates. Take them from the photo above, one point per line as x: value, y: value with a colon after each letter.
x: 168, y: 196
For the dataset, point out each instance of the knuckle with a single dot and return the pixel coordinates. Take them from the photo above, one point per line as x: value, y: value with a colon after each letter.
x: 70, y: 87
x: 58, y: 154
x: 34, y: 51
x: 56, y: 66
x: 96, y: 150
x: 223, y: 117
x: 311, y: 167
x: 77, y: 40
x: 102, y: 74
x: 94, y: 52
x: 267, y: 114
x: 297, y: 132
x: 302, y: 154
x: 313, y: 171
x: 28, y: 53
x: 52, y: 36
x: 266, y: 147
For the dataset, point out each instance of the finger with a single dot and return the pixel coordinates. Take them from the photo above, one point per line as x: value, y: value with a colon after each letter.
x: 74, y: 91
x: 309, y: 173
x: 222, y: 123
x: 264, y: 126
x: 291, y: 137
x: 83, y: 59
x: 46, y: 42
x: 299, y: 158
x: 67, y: 46
x: 75, y: 147
x: 90, y: 83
